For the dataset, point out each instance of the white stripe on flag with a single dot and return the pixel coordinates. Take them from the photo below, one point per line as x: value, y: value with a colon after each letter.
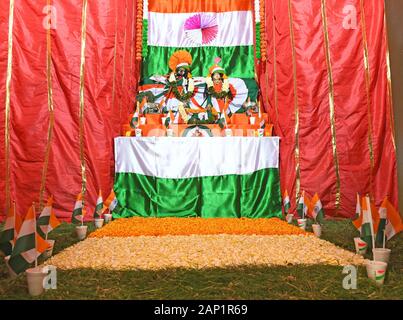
x: 27, y: 228
x: 235, y: 28
x: 30, y: 255
x: 177, y: 158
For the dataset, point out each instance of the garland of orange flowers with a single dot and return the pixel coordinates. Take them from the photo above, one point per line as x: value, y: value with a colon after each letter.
x: 263, y: 36
x: 139, y: 30
x: 187, y: 226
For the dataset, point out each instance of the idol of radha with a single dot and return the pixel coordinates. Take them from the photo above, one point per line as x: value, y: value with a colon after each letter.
x: 219, y: 91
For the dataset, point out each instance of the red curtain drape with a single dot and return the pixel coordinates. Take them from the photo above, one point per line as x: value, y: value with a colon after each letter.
x: 325, y: 85
x: 108, y: 79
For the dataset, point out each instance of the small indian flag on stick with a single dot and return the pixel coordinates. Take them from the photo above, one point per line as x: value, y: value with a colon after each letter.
x: 47, y: 221
x: 286, y: 202
x: 393, y: 221
x: 135, y: 119
x: 111, y: 202
x: 99, y: 206
x: 28, y: 246
x: 78, y: 214
x: 303, y: 205
x: 370, y: 221
x: 10, y: 231
x: 318, y: 213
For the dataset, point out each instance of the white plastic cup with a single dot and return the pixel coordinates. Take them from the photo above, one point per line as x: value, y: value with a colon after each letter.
x: 289, y: 217
x: 302, y: 223
x: 260, y: 132
x: 228, y: 132
x: 11, y: 273
x: 107, y: 218
x: 98, y: 223
x: 138, y: 132
x: 35, y: 277
x: 143, y: 121
x: 360, y: 246
x: 170, y: 132
x: 317, y: 230
x: 252, y: 120
x: 163, y: 119
x: 49, y: 252
x: 376, y: 270
x: 81, y: 232
x: 381, y: 254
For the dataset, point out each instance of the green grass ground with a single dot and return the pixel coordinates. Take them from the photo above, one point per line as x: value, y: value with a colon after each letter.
x: 291, y: 282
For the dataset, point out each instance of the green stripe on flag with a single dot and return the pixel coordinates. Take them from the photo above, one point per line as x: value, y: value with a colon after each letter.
x: 6, y: 247
x: 18, y: 264
x: 255, y: 195
x: 24, y: 243
x: 237, y: 61
x: 7, y: 235
x: 381, y: 230
x: 43, y: 221
x: 366, y: 234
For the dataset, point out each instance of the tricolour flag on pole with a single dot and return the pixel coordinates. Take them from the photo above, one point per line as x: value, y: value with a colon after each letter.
x: 286, y: 202
x: 304, y: 205
x: 10, y: 230
x: 99, y: 206
x: 135, y: 119
x: 357, y: 222
x: 393, y: 221
x: 78, y: 214
x: 111, y: 202
x: 318, y: 212
x: 28, y: 246
x: 47, y: 221
x: 368, y: 225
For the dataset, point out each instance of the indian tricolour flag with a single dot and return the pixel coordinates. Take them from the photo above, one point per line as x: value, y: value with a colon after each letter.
x: 28, y: 246
x: 11, y: 228
x: 111, y: 202
x: 286, y: 202
x: 99, y: 206
x: 207, y: 29
x: 391, y: 221
x: 318, y: 212
x: 303, y: 205
x: 370, y: 221
x: 78, y: 212
x: 211, y: 177
x: 47, y: 221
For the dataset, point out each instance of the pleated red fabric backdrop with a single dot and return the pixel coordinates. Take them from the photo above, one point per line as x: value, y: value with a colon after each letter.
x: 326, y: 87
x: 89, y: 86
x: 65, y: 93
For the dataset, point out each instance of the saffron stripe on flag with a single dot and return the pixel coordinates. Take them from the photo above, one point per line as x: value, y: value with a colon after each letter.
x: 174, y: 6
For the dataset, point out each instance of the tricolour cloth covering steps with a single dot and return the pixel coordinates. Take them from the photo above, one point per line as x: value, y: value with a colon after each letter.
x: 206, y: 177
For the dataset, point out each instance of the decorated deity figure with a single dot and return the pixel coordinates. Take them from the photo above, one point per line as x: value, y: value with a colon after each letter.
x: 219, y: 91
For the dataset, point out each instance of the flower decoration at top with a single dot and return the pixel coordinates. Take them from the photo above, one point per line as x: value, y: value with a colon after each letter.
x: 201, y: 28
